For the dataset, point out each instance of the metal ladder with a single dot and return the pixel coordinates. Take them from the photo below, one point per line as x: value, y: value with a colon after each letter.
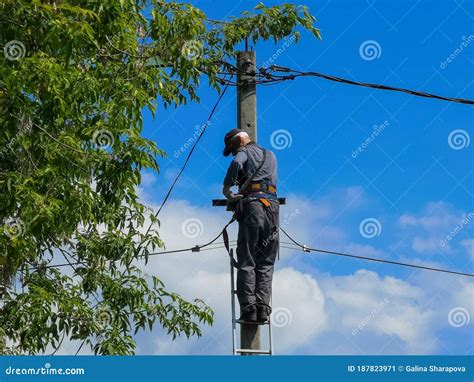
x: 235, y: 321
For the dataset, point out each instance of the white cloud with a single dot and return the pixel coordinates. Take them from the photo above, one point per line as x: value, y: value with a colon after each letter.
x: 364, y: 302
x: 301, y: 297
x: 426, y: 245
x: 351, y: 298
x: 468, y: 244
x: 435, y: 215
x: 391, y: 315
x: 433, y: 229
x: 464, y: 297
x: 363, y: 250
x: 306, y: 313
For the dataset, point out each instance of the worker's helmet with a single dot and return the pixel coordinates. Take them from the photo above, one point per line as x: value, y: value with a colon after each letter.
x: 228, y: 140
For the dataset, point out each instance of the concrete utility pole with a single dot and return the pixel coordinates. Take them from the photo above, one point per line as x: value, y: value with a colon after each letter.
x: 247, y: 93
x: 247, y: 120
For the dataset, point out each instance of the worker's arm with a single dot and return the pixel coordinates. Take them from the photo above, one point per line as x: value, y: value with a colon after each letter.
x: 231, y: 178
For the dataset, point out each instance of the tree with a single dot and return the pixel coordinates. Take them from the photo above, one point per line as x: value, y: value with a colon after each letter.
x: 75, y: 77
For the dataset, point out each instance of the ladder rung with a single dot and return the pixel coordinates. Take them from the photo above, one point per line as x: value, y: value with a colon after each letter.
x: 252, y: 322
x: 253, y: 351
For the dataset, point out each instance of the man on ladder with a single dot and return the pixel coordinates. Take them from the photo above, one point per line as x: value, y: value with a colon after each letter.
x: 254, y: 171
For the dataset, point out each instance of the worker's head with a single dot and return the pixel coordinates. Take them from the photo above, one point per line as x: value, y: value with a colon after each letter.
x: 233, y: 140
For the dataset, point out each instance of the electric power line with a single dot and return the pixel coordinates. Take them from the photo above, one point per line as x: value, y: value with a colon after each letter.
x: 191, y: 151
x: 197, y: 248
x: 264, y: 77
x: 309, y: 249
x: 298, y: 73
x: 286, y: 245
x: 189, y: 156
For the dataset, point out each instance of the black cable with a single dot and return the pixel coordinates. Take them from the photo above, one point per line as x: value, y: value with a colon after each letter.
x: 190, y: 249
x: 189, y: 156
x: 263, y: 77
x: 196, y: 248
x: 201, y: 248
x: 364, y: 84
x: 309, y: 249
x: 190, y: 153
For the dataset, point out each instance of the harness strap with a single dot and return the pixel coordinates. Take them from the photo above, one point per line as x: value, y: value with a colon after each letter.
x: 225, y: 238
x: 250, y: 178
x: 262, y: 187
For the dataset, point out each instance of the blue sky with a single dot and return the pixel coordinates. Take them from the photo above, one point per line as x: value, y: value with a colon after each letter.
x: 409, y: 180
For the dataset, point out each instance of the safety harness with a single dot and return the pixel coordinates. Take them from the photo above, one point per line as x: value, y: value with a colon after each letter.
x: 239, y: 205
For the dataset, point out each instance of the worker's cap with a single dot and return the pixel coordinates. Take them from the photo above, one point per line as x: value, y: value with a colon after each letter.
x: 228, y: 140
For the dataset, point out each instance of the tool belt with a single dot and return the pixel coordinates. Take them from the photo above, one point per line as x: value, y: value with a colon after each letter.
x: 260, y: 187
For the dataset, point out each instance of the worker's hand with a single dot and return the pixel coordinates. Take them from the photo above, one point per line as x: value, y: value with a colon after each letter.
x: 234, y: 197
x: 231, y: 197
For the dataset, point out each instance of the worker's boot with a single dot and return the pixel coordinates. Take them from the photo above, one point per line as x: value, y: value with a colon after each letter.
x: 262, y: 313
x: 249, y: 315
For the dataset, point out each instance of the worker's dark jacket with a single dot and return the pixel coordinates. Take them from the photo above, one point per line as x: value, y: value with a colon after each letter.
x: 258, y: 216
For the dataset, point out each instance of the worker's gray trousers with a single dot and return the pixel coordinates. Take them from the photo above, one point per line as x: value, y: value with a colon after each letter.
x: 257, y: 248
